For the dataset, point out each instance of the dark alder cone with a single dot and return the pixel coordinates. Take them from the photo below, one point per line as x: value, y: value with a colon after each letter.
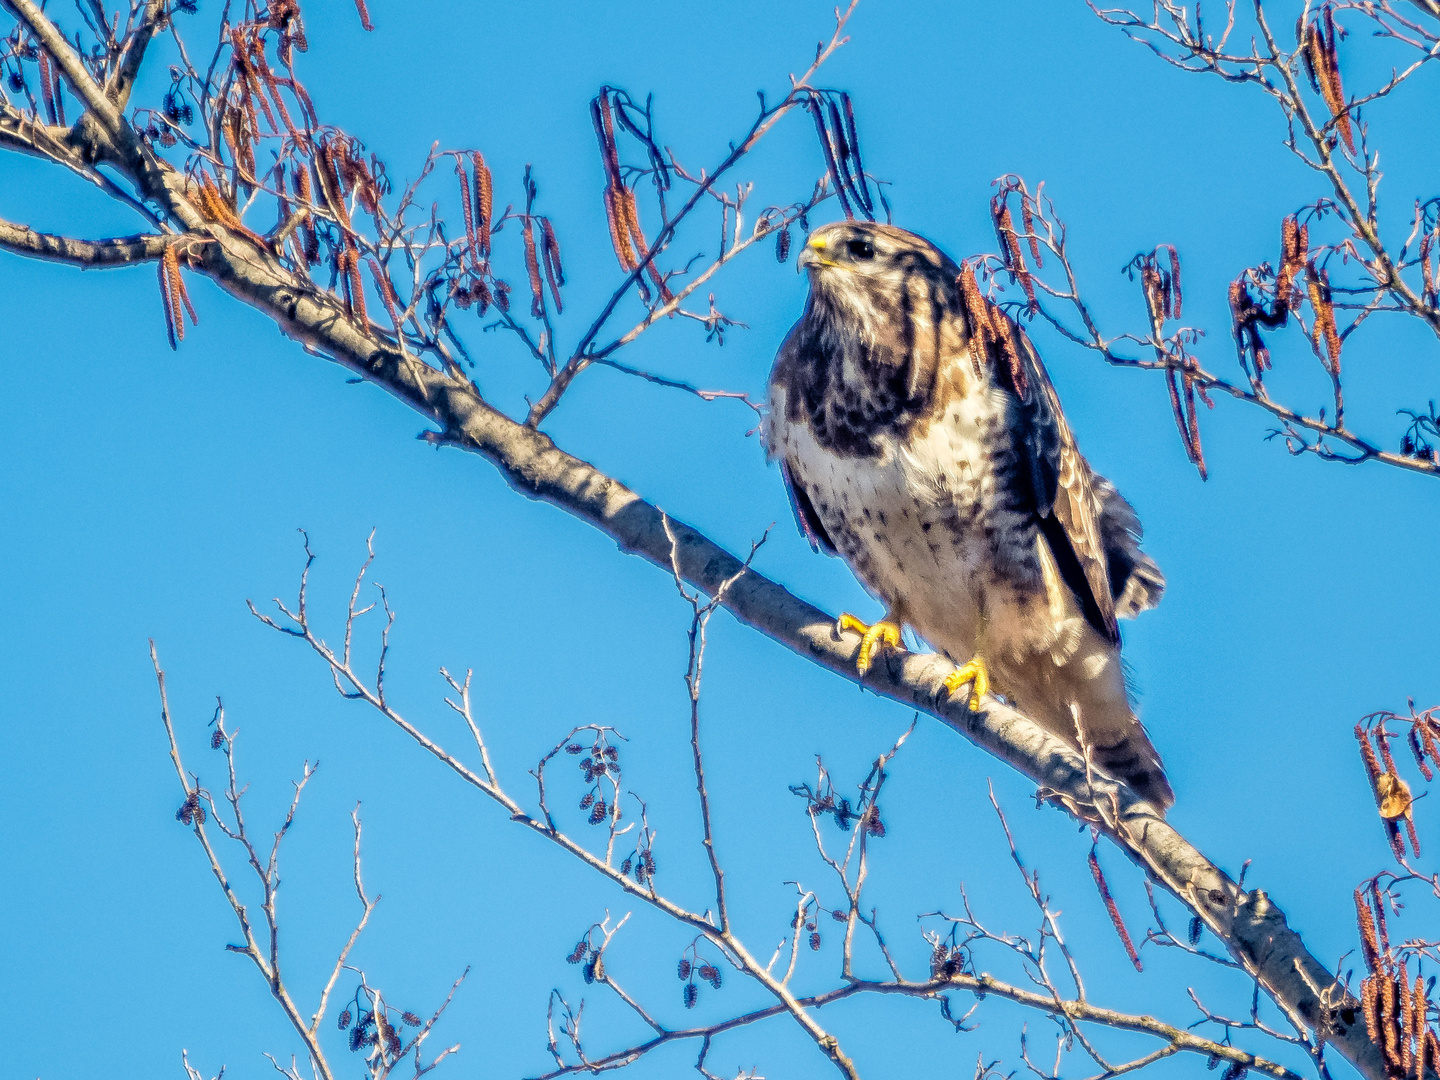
x: 692, y: 995
x: 815, y: 941
x: 217, y: 740
x: 1211, y: 1062
x: 839, y: 916
x: 597, y: 812
x: 937, y: 960
x: 578, y: 953
x: 587, y: 800
x: 344, y: 1019
x: 649, y: 862
x: 714, y: 975
x: 358, y: 1038
x: 589, y: 969
x: 1236, y: 1071
x: 683, y: 969
x: 1197, y: 925
x: 410, y: 1019
x: 782, y: 245
x: 627, y: 865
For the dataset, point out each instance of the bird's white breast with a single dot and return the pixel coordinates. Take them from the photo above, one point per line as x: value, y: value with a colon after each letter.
x: 906, y: 520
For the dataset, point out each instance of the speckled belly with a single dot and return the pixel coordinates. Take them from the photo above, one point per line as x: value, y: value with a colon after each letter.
x: 911, y: 537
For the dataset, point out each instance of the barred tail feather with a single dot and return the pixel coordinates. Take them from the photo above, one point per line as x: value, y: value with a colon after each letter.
x: 1134, y: 760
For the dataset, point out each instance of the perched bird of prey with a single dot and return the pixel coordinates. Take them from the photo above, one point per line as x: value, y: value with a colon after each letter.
x: 931, y: 454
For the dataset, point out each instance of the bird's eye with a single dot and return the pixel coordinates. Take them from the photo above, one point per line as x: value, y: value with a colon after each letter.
x: 861, y: 249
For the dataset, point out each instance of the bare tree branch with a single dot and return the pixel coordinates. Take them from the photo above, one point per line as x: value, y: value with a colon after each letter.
x: 86, y: 254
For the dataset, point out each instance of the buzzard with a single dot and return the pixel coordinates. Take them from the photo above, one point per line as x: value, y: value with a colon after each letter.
x: 931, y: 454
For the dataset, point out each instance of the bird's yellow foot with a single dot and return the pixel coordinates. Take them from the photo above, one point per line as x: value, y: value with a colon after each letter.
x: 973, y: 673
x: 872, y: 637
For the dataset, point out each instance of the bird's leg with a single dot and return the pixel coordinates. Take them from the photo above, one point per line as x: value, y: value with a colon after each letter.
x: 885, y: 632
x: 974, y: 672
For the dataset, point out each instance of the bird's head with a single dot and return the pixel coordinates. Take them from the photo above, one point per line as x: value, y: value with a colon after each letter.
x: 865, y: 257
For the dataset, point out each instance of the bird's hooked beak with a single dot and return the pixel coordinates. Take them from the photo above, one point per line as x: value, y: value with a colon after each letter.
x: 813, y: 255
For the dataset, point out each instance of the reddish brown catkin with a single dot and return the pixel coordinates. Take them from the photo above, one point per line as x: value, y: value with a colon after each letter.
x: 1427, y: 274
x: 642, y: 247
x: 981, y: 334
x: 1367, y: 757
x: 331, y: 185
x: 1174, y: 281
x: 532, y: 268
x: 172, y: 274
x: 484, y: 201
x: 554, y: 269
x: 1154, y: 294
x: 230, y: 135
x: 357, y: 285
x: 1326, y: 335
x: 1113, y: 910
x: 1369, y: 1004
x: 1285, y: 279
x: 185, y: 295
x: 1172, y: 382
x: 1239, y: 306
x: 1412, y: 834
x: 619, y: 230
x: 364, y: 14
x: 1005, y: 332
x: 1335, y: 90
x: 1403, y: 1019
x: 1365, y: 920
x: 164, y: 276
x: 1386, y: 758
x: 609, y: 148
x: 1427, y: 737
x: 1010, y: 247
x: 1027, y: 218
x: 1387, y: 1019
x: 470, y: 240
x: 1418, y: 751
x: 47, y: 91
x: 1377, y: 900
x: 1193, y: 426
x: 309, y: 237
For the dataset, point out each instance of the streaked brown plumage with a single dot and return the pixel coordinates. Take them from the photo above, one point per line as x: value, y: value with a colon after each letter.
x: 958, y: 497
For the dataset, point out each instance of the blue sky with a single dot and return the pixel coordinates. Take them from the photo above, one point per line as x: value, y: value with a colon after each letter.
x: 149, y: 493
